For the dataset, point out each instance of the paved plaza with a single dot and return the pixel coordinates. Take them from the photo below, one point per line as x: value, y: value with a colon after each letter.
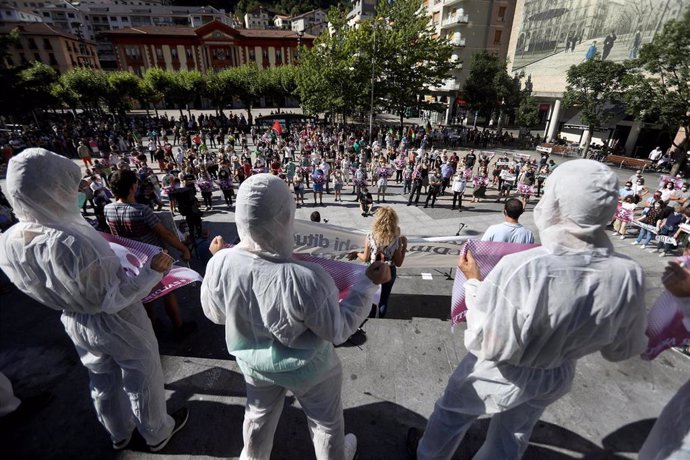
x: 390, y: 381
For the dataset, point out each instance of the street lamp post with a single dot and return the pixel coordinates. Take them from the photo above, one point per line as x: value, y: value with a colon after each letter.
x: 373, y: 77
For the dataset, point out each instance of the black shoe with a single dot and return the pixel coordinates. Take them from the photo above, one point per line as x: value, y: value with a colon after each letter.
x: 409, y: 204
x: 180, y: 418
x: 426, y: 206
x: 184, y: 331
x: 414, y: 435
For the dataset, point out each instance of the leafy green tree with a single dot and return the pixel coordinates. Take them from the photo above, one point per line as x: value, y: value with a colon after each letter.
x: 408, y: 58
x: 34, y: 87
x: 147, y: 95
x: 88, y: 86
x: 528, y: 112
x: 594, y: 87
x: 123, y: 86
x: 658, y: 85
x: 334, y: 75
x: 249, y: 84
x: 489, y: 89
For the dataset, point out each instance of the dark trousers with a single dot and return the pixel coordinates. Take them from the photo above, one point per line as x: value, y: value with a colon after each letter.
x: 416, y: 188
x: 386, y: 289
x: 433, y: 193
x: 228, y: 194
x: 457, y: 196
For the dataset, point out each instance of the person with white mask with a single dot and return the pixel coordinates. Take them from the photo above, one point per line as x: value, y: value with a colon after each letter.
x: 281, y: 318
x: 55, y: 257
x: 535, y: 314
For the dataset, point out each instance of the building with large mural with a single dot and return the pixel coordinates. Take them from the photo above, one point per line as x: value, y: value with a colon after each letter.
x: 550, y: 36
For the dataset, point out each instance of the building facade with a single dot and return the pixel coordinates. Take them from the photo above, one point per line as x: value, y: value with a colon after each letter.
x: 550, y: 36
x: 258, y: 19
x: 213, y: 46
x: 91, y: 19
x: 471, y: 26
x: 50, y: 45
x: 312, y: 22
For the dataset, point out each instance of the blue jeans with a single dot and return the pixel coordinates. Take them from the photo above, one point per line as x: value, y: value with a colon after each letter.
x: 386, y: 289
x: 645, y: 235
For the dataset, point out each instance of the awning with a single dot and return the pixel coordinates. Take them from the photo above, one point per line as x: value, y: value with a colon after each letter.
x: 617, y: 114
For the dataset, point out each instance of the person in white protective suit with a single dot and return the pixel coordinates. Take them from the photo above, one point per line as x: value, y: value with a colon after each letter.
x: 670, y: 435
x: 535, y: 314
x: 281, y: 319
x: 55, y: 257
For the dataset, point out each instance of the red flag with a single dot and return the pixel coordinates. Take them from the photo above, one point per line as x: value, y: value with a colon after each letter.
x: 277, y: 128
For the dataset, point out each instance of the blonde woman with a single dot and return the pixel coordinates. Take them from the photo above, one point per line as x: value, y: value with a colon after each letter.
x: 385, y: 243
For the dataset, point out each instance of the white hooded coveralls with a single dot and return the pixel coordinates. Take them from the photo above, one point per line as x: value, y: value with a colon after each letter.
x: 536, y: 313
x: 281, y: 319
x: 55, y: 257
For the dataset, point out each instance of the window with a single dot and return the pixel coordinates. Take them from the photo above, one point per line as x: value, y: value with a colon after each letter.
x: 265, y: 53
x: 32, y: 44
x: 159, y: 54
x: 190, y: 55
x: 37, y: 57
x: 173, y: 53
x: 47, y: 45
x: 497, y: 37
x: 279, y: 55
x: 501, y: 14
x: 133, y: 52
x: 124, y: 19
x: 70, y: 15
x: 51, y: 59
x: 252, y: 54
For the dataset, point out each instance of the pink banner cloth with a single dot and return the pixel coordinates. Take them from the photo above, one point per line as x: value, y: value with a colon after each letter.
x: 622, y: 214
x: 344, y: 274
x: 134, y: 255
x: 487, y: 255
x: 667, y: 326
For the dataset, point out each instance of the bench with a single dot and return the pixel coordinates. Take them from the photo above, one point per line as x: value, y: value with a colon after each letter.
x: 562, y: 150
x: 635, y: 163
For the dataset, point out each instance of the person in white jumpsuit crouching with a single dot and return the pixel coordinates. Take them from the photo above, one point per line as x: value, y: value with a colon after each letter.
x: 281, y: 319
x: 536, y: 313
x: 55, y: 257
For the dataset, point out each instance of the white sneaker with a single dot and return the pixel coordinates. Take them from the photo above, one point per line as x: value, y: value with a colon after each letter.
x: 622, y: 237
x: 635, y: 242
x: 663, y: 254
x: 643, y: 246
x: 350, y: 446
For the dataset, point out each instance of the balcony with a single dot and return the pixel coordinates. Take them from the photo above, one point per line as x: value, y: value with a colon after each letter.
x: 450, y: 85
x: 455, y: 20
x: 451, y: 2
x: 458, y: 42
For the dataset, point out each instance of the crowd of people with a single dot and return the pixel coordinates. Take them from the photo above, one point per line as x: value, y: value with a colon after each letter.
x: 550, y: 305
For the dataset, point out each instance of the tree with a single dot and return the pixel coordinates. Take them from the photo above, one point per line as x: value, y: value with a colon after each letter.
x: 528, y: 112
x: 489, y: 89
x: 408, y: 58
x: 249, y: 84
x: 658, y: 87
x: 220, y: 89
x: 87, y: 86
x: 34, y: 87
x: 122, y: 87
x: 334, y: 75
x: 594, y: 87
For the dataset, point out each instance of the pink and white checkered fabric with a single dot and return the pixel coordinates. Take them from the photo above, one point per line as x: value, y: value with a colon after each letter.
x: 134, y: 255
x: 343, y: 273
x: 622, y: 214
x: 666, y: 325
x: 524, y: 189
x: 487, y: 255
